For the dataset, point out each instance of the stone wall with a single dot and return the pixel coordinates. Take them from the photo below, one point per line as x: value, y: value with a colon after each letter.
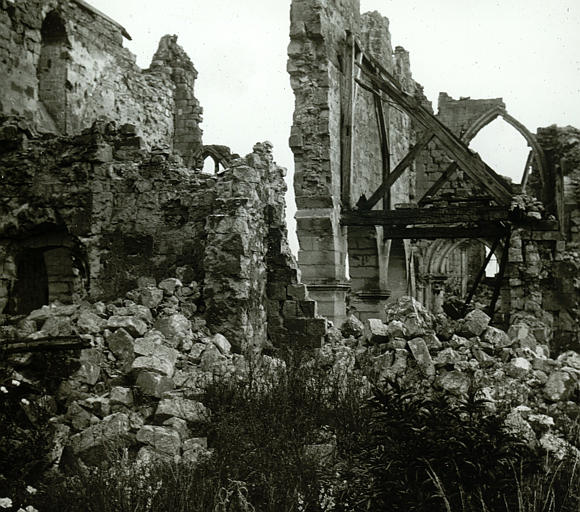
x: 117, y: 213
x: 317, y: 63
x: 62, y: 65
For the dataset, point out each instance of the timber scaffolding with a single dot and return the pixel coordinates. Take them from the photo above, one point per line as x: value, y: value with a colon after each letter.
x: 485, y: 217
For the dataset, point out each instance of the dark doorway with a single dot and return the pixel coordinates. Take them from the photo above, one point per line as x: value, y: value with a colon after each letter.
x: 31, y: 287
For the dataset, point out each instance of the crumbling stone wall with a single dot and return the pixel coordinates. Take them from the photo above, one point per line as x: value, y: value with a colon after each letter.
x: 125, y: 213
x: 62, y: 65
x: 317, y: 64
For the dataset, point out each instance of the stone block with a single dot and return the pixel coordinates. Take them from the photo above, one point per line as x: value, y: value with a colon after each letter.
x: 188, y: 410
x: 121, y: 344
x: 307, y: 308
x: 154, y: 384
x: 422, y: 356
x: 134, y: 326
x: 163, y: 439
x: 376, y: 331
x: 297, y: 291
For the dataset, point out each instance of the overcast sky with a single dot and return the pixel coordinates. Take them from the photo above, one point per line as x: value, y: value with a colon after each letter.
x: 525, y: 51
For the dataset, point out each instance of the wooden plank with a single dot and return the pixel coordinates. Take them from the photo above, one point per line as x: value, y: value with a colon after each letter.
x: 385, y: 154
x: 473, y: 166
x: 347, y: 122
x: 51, y: 344
x: 444, y: 178
x: 397, y: 172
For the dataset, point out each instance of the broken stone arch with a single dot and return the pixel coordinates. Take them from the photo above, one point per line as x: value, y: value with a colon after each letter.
x: 441, y: 249
x: 436, y: 275
x: 536, y: 151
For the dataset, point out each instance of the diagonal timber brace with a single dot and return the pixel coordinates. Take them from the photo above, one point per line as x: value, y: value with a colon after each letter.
x: 471, y: 164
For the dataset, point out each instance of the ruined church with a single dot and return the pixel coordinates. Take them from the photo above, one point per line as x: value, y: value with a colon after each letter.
x: 101, y: 185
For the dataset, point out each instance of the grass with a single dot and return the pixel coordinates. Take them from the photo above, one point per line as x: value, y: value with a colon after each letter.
x: 395, y: 449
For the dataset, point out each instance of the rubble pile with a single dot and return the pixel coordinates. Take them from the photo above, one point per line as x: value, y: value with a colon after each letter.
x: 141, y: 383
x: 512, y: 368
x: 528, y: 206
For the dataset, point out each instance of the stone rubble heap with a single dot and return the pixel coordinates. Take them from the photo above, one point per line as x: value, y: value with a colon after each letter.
x: 141, y: 384
x: 512, y: 367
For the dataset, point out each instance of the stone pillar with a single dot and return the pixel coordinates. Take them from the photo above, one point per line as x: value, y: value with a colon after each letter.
x: 318, y: 36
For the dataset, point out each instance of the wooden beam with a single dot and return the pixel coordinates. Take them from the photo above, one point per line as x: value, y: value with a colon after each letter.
x: 397, y: 172
x: 489, y: 230
x: 480, y: 274
x: 473, y: 166
x: 444, y: 178
x: 49, y: 344
x: 499, y: 277
x: 347, y: 121
x: 428, y: 216
x: 385, y: 155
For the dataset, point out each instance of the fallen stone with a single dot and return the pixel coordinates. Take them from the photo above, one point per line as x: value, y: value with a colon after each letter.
x: 446, y: 357
x: 375, y: 331
x: 99, y: 405
x: 154, y: 384
x: 556, y: 446
x: 433, y: 343
x: 212, y: 360
x: 162, y: 361
x: 88, y: 373
x: 150, y: 297
x: 134, y: 326
x: 560, y: 386
x: 222, y: 343
x: 169, y: 285
x: 175, y: 328
x: 189, y: 410
x: 518, y: 426
x: 541, y: 423
x: 90, y: 322
x: 179, y: 425
x: 57, y: 326
x: 122, y: 396
x: 195, y: 442
x: 422, y: 356
x: 135, y: 310
x: 518, y: 367
x: 474, y: 323
x: 111, y: 429
x: 496, y: 337
x: 396, y: 329
x: 570, y: 358
x: 454, y: 382
x: 121, y: 344
x: 352, y: 326
x: 78, y: 417
x: 46, y: 312
x: 522, y: 337
x: 163, y: 439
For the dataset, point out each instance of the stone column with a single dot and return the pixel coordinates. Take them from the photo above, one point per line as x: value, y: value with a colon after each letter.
x: 318, y: 35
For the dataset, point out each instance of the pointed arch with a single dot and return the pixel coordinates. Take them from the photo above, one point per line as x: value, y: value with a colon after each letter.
x: 537, y: 151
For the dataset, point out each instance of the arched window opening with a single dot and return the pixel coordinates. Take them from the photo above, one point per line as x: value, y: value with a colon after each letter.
x: 493, y: 266
x: 212, y: 166
x: 52, y: 68
x: 502, y: 148
x: 397, y: 281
